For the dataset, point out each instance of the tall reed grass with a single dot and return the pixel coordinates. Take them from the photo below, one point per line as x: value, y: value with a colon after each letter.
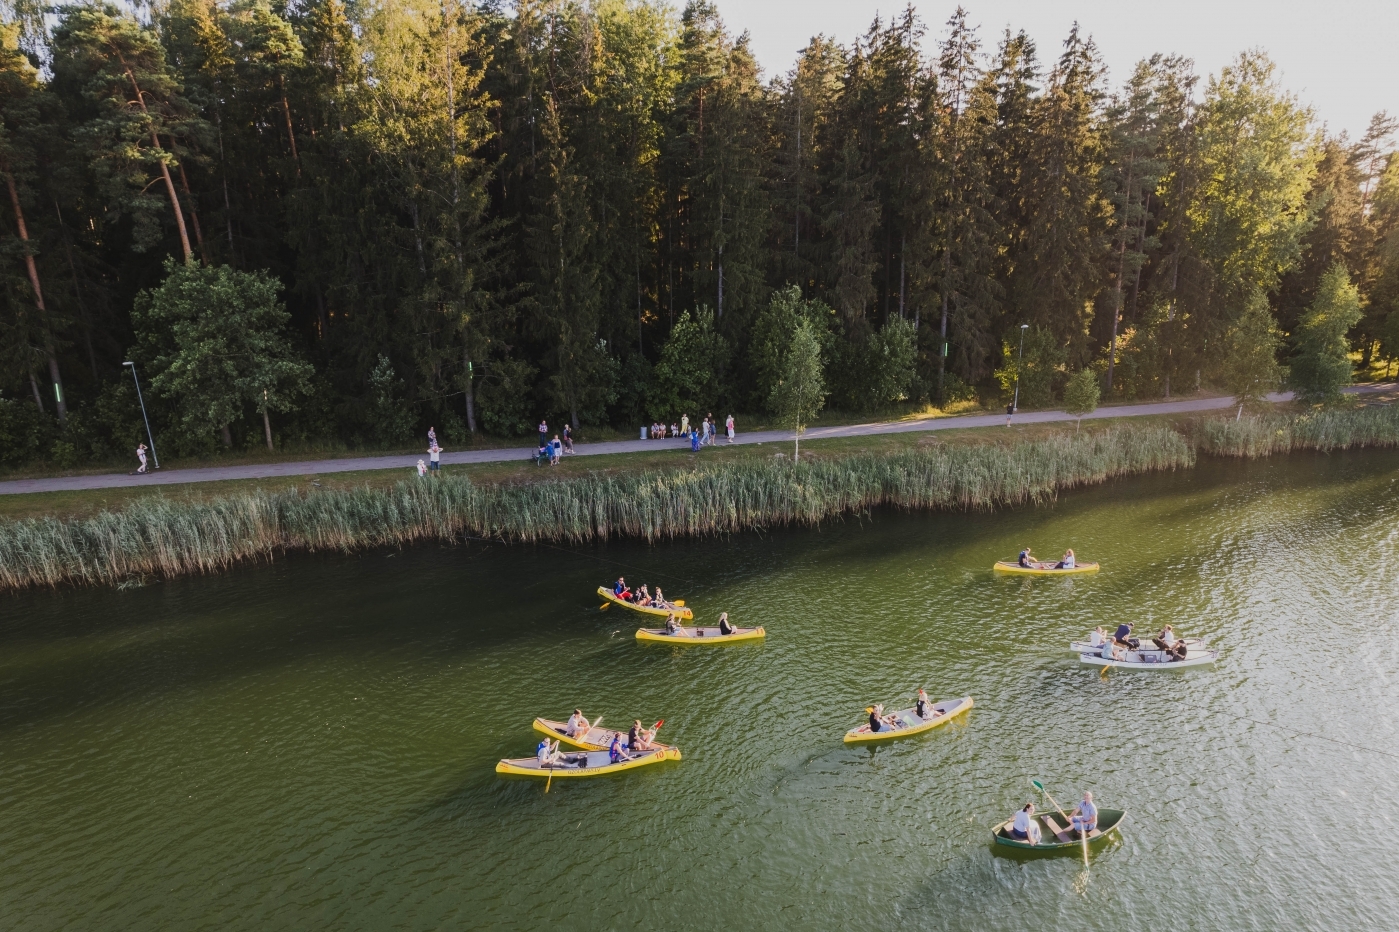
x: 173, y: 536
x: 1325, y: 430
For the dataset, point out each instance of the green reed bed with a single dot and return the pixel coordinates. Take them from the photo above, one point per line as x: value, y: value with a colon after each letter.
x: 174, y: 536
x: 1324, y: 430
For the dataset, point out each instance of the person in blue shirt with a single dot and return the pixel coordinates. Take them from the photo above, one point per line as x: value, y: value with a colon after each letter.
x: 1026, y: 559
x: 620, y: 587
x: 694, y: 440
x: 1085, y: 817
x: 1123, y: 636
x: 615, y: 754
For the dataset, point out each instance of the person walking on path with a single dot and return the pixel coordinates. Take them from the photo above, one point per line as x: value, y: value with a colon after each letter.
x: 543, y: 432
x: 141, y: 455
x: 729, y: 426
x: 434, y: 458
x: 567, y: 438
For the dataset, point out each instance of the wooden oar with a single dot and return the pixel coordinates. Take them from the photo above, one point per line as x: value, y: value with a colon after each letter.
x: 550, y: 782
x: 1040, y: 786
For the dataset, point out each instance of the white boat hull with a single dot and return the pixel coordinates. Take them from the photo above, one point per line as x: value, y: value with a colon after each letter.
x: 1152, y: 660
x: 1083, y: 647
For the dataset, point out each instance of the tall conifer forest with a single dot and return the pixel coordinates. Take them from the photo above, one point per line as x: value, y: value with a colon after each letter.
x: 320, y: 224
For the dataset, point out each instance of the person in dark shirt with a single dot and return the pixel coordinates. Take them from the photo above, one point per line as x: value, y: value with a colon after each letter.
x: 1124, y: 637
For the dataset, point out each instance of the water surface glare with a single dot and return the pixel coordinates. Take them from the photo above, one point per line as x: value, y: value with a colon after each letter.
x: 311, y: 744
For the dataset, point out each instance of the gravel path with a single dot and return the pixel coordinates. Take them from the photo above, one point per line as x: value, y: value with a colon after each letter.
x: 406, y: 461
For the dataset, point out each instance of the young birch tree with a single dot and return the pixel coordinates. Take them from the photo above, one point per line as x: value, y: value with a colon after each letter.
x: 801, y: 393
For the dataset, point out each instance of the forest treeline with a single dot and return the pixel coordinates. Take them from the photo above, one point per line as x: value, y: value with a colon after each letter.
x: 330, y: 223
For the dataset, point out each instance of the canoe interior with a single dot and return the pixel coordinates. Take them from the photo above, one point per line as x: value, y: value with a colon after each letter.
x: 1108, y: 820
x: 906, y: 719
x: 610, y: 596
x: 696, y: 632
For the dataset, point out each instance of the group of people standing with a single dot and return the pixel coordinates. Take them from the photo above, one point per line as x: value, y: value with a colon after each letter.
x: 703, y: 433
x: 553, y: 450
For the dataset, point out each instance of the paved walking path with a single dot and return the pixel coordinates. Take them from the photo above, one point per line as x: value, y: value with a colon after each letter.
x: 406, y: 462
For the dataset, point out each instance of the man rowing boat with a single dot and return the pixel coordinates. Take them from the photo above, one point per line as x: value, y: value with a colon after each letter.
x: 641, y: 739
x: 1085, y: 818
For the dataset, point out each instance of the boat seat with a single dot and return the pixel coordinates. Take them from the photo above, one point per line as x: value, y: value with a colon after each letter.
x: 1060, y: 832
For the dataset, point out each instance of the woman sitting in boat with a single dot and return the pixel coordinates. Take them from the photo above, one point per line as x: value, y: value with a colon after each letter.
x: 724, y: 627
x: 1084, y: 819
x: 923, y: 707
x: 577, y: 725
x: 639, y: 739
x: 879, y: 721
x: 1025, y: 828
x: 1165, y: 639
x: 1068, y: 562
x: 659, y: 601
x: 673, y: 627
x: 615, y: 753
x: 643, y: 596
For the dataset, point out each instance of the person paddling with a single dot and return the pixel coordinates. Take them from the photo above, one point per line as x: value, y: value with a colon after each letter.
x: 615, y: 753
x: 577, y: 726
x: 640, y: 739
x: 620, y: 587
x: 673, y: 627
x: 1085, y: 818
x: 547, y: 753
x: 1027, y: 559
x: 1166, y: 639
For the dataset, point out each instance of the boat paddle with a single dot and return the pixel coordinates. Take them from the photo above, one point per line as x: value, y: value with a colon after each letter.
x: 550, y: 782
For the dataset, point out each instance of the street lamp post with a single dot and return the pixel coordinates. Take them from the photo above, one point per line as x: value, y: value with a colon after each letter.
x: 1020, y: 364
x: 149, y: 435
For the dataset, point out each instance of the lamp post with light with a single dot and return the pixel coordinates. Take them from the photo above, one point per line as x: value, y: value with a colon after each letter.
x: 1020, y: 364
x: 149, y: 435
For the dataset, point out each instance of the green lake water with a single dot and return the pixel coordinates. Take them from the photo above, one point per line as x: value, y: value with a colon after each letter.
x: 311, y: 744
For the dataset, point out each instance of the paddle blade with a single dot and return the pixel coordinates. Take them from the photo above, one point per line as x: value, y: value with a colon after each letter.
x: 1037, y: 785
x: 604, y: 606
x: 657, y: 726
x: 680, y: 603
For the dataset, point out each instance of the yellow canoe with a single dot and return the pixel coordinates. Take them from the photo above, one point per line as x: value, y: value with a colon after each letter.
x: 597, y: 739
x: 680, y: 610
x: 1043, y: 569
x: 906, y: 722
x: 698, y: 635
x: 583, y: 764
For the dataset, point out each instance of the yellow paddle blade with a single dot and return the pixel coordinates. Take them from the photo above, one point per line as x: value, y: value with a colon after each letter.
x: 680, y: 603
x: 869, y: 709
x: 604, y: 606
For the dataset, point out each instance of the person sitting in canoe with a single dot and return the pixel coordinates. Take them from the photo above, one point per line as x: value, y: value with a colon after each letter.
x: 577, y: 726
x: 1096, y: 637
x: 724, y: 627
x: 659, y: 601
x: 643, y: 596
x: 673, y: 627
x: 1111, y: 650
x: 1124, y: 637
x: 640, y: 739
x: 1027, y: 559
x: 879, y: 721
x: 1025, y: 828
x: 1165, y: 639
x: 923, y: 707
x: 1068, y: 562
x: 548, y: 753
x: 1177, y: 651
x: 1084, y: 819
x: 615, y: 752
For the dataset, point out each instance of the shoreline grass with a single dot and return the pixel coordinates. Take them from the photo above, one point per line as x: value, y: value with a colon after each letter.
x: 165, y: 537
x: 653, y: 498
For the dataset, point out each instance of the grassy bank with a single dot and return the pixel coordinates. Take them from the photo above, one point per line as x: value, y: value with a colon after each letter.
x: 1327, y: 430
x: 159, y: 536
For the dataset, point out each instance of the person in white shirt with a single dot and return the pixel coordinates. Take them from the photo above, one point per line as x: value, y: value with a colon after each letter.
x: 422, y: 469
x: 1096, y: 638
x: 577, y: 726
x: 434, y: 458
x: 729, y: 426
x: 141, y: 455
x: 1025, y: 828
x: 1166, y: 638
x: 1085, y: 817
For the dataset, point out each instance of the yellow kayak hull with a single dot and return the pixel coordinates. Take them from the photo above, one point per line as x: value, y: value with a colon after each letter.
x: 1015, y: 569
x: 952, y: 707
x: 598, y: 765
x: 679, y: 611
x: 710, y: 636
